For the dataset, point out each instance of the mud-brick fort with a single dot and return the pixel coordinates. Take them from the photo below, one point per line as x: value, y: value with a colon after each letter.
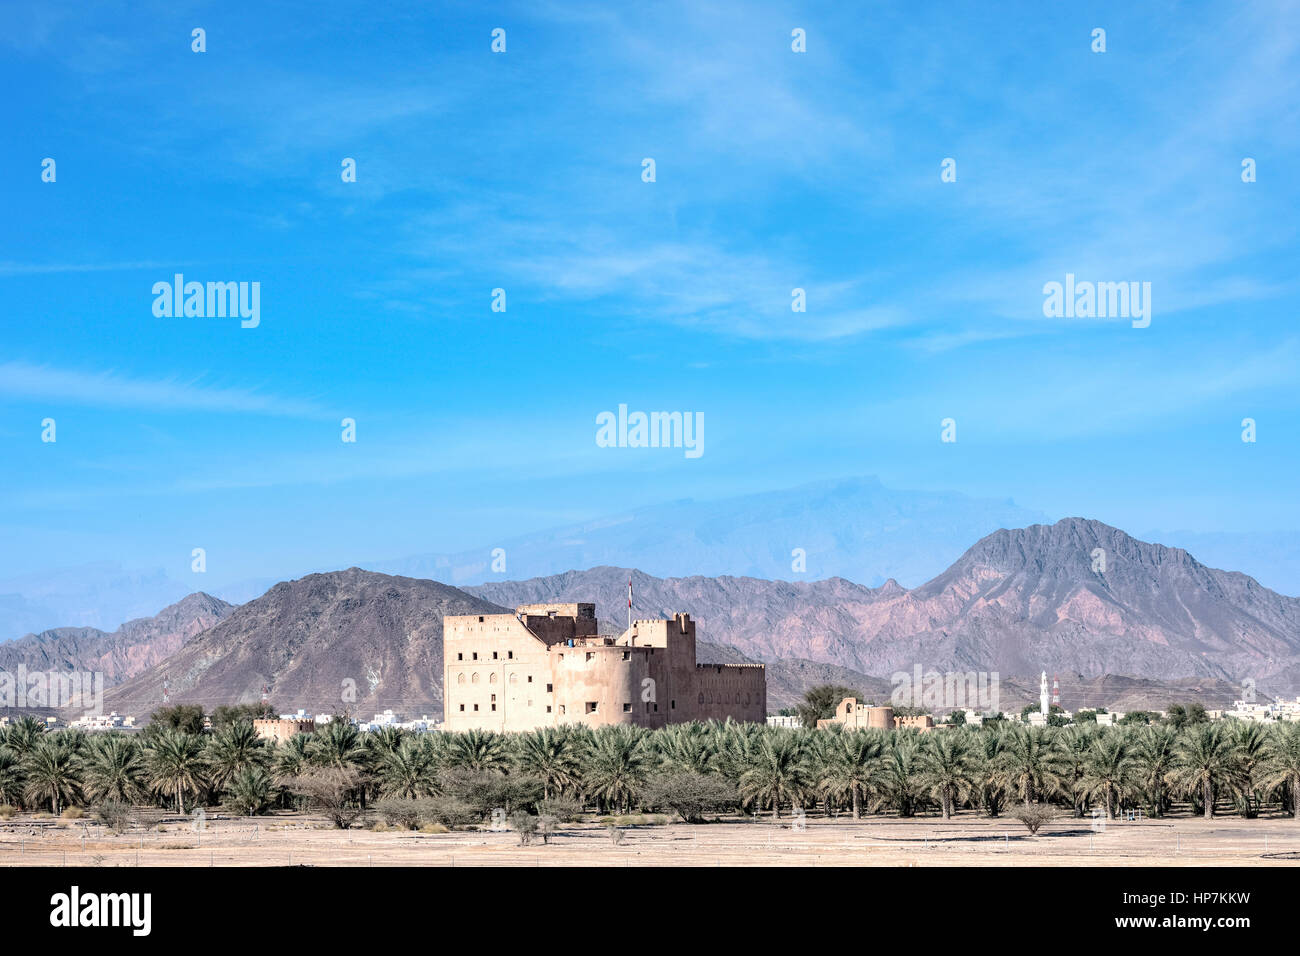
x: 547, y: 665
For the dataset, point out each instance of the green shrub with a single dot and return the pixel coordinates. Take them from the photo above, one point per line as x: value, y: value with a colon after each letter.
x: 564, y: 809
x: 447, y: 811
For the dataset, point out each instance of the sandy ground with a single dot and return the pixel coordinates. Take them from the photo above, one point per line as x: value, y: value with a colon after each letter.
x: 965, y: 841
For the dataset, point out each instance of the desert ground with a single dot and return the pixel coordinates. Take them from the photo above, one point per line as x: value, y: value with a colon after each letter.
x: 304, y: 840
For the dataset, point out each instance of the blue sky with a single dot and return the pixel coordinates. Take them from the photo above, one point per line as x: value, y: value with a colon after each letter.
x: 522, y: 171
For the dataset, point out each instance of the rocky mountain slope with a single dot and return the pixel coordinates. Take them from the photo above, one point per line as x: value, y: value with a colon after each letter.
x: 134, y: 647
x: 1017, y: 602
x: 324, y: 642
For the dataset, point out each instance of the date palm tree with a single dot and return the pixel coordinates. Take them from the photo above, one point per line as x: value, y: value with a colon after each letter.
x: 52, y: 771
x: 115, y: 768
x: 250, y: 791
x: 991, y: 781
x: 337, y: 745
x: 617, y: 765
x: 1250, y: 752
x: 231, y: 749
x: 946, y: 761
x: 550, y: 755
x: 1205, y: 762
x: 1106, y: 769
x: 290, y: 758
x: 11, y: 776
x: 22, y: 735
x: 407, y: 771
x: 1027, y: 763
x: 853, y: 765
x: 686, y: 748
x: 385, y: 740
x: 900, y: 785
x: 777, y: 774
x: 175, y: 765
x: 1153, y: 753
x: 479, y: 750
x: 1283, y: 762
x: 1071, y: 747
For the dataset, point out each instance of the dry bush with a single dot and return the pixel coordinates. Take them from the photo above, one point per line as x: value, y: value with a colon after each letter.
x: 1033, y: 816
x: 334, y: 791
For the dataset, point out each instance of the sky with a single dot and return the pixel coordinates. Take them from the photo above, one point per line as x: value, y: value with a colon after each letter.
x: 522, y: 170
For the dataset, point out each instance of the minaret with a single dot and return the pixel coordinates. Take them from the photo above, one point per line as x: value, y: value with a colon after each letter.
x: 1044, y: 701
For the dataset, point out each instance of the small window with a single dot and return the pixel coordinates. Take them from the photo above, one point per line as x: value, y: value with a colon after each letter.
x: 548, y: 708
x: 494, y: 698
x: 548, y: 689
x: 510, y: 655
x: 476, y: 708
x: 462, y: 708
x: 627, y: 708
x: 494, y: 706
x: 561, y: 708
x: 590, y: 655
x: 480, y: 620
x: 460, y: 657
x: 494, y: 655
x: 530, y: 678
x: 474, y: 656
x: 591, y: 706
x: 674, y: 707
x: 627, y: 655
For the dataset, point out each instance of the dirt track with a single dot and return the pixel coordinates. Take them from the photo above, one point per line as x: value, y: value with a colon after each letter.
x: 965, y: 841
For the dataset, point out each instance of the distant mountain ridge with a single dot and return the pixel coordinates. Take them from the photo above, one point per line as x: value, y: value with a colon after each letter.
x: 1016, y: 602
x: 134, y: 647
x: 1075, y: 598
x: 343, y: 640
x: 855, y: 528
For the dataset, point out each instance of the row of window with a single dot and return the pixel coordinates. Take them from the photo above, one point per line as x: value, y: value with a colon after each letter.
x: 510, y: 656
x: 592, y: 706
x: 492, y: 679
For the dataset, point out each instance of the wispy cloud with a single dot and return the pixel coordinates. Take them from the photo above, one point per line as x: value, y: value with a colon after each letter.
x: 39, y: 268
x: 19, y: 380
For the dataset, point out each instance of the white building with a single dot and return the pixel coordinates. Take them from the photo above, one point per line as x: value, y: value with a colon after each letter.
x: 778, y: 720
x: 109, y: 721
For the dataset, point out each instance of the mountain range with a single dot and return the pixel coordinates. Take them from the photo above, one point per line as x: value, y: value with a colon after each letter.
x: 1016, y: 602
x: 1117, y: 618
x: 133, y: 648
x: 853, y: 528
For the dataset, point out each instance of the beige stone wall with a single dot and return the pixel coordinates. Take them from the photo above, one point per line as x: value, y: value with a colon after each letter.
x: 280, y: 730
x: 493, y: 666
x: 855, y: 716
x: 545, y: 665
x: 739, y: 692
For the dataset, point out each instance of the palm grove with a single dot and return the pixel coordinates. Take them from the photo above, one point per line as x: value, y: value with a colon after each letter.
x: 693, y: 771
